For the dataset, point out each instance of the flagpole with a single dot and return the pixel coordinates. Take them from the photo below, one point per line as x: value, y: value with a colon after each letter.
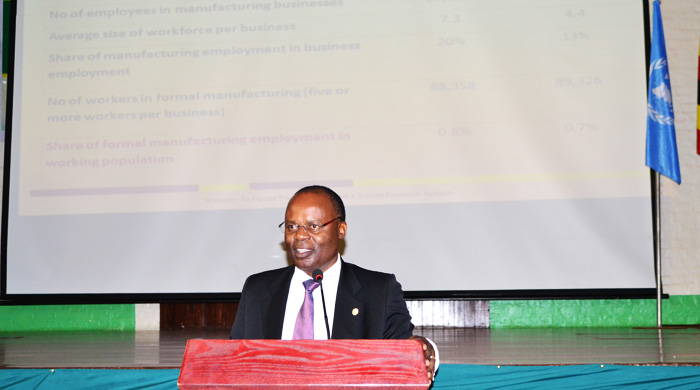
x: 657, y: 206
x: 661, y: 148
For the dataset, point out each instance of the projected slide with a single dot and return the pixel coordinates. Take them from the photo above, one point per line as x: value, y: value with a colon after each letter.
x: 400, y: 101
x: 155, y: 143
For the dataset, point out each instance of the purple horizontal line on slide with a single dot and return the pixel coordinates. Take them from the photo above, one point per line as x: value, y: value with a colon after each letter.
x: 114, y: 191
x: 299, y: 184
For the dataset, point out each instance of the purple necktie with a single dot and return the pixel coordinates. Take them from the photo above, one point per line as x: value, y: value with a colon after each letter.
x: 304, y: 327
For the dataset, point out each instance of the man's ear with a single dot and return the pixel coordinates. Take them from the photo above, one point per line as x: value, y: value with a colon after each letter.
x: 342, y: 228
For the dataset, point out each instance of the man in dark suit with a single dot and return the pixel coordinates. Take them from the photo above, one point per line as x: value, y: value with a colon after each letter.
x: 369, y: 305
x: 361, y: 304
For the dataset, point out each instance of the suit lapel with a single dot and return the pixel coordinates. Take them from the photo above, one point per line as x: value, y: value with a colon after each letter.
x: 349, y: 309
x: 274, y: 305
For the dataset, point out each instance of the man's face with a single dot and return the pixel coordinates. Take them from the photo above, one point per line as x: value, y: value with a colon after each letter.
x: 313, y: 250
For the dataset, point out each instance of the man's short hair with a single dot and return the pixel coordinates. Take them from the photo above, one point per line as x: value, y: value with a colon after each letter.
x: 335, y: 199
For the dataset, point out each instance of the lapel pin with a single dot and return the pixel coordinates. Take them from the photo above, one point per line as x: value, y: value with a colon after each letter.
x: 355, y: 311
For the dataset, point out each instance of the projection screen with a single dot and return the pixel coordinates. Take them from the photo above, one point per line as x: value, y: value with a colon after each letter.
x: 479, y: 145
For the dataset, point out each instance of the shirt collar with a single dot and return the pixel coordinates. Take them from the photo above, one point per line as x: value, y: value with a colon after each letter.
x: 330, y: 277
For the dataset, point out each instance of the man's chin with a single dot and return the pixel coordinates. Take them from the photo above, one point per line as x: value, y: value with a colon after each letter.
x: 309, y: 264
x: 306, y: 265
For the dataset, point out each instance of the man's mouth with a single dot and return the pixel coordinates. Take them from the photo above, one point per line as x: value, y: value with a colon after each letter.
x: 302, y: 252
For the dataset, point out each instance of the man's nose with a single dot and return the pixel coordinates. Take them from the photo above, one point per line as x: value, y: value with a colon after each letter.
x: 301, y: 234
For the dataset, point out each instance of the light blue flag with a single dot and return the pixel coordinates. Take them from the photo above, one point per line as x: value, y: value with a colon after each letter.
x: 662, y: 152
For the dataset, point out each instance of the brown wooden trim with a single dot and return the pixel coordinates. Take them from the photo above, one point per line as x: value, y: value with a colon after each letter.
x: 197, y: 316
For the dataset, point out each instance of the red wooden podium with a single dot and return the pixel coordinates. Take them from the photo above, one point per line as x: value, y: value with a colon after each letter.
x: 303, y: 364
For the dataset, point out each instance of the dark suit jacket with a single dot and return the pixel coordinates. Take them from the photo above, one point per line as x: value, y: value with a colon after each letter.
x: 382, y: 312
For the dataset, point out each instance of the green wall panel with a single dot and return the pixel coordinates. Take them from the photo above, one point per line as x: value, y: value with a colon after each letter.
x: 681, y: 310
x: 67, y: 317
x: 677, y: 310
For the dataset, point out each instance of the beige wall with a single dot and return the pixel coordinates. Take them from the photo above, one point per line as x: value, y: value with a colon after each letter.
x: 680, y: 204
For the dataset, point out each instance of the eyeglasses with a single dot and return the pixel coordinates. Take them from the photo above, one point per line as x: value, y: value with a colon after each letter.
x: 313, y: 228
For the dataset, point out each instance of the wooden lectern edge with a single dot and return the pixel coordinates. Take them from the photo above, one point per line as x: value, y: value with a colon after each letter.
x: 300, y: 364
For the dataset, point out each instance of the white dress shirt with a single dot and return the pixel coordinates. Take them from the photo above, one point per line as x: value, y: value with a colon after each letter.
x: 295, y: 299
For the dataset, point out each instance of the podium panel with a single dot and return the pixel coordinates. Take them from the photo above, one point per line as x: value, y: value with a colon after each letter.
x: 303, y: 364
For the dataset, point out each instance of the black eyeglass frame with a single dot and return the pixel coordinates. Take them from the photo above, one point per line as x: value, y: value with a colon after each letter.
x: 315, y: 230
